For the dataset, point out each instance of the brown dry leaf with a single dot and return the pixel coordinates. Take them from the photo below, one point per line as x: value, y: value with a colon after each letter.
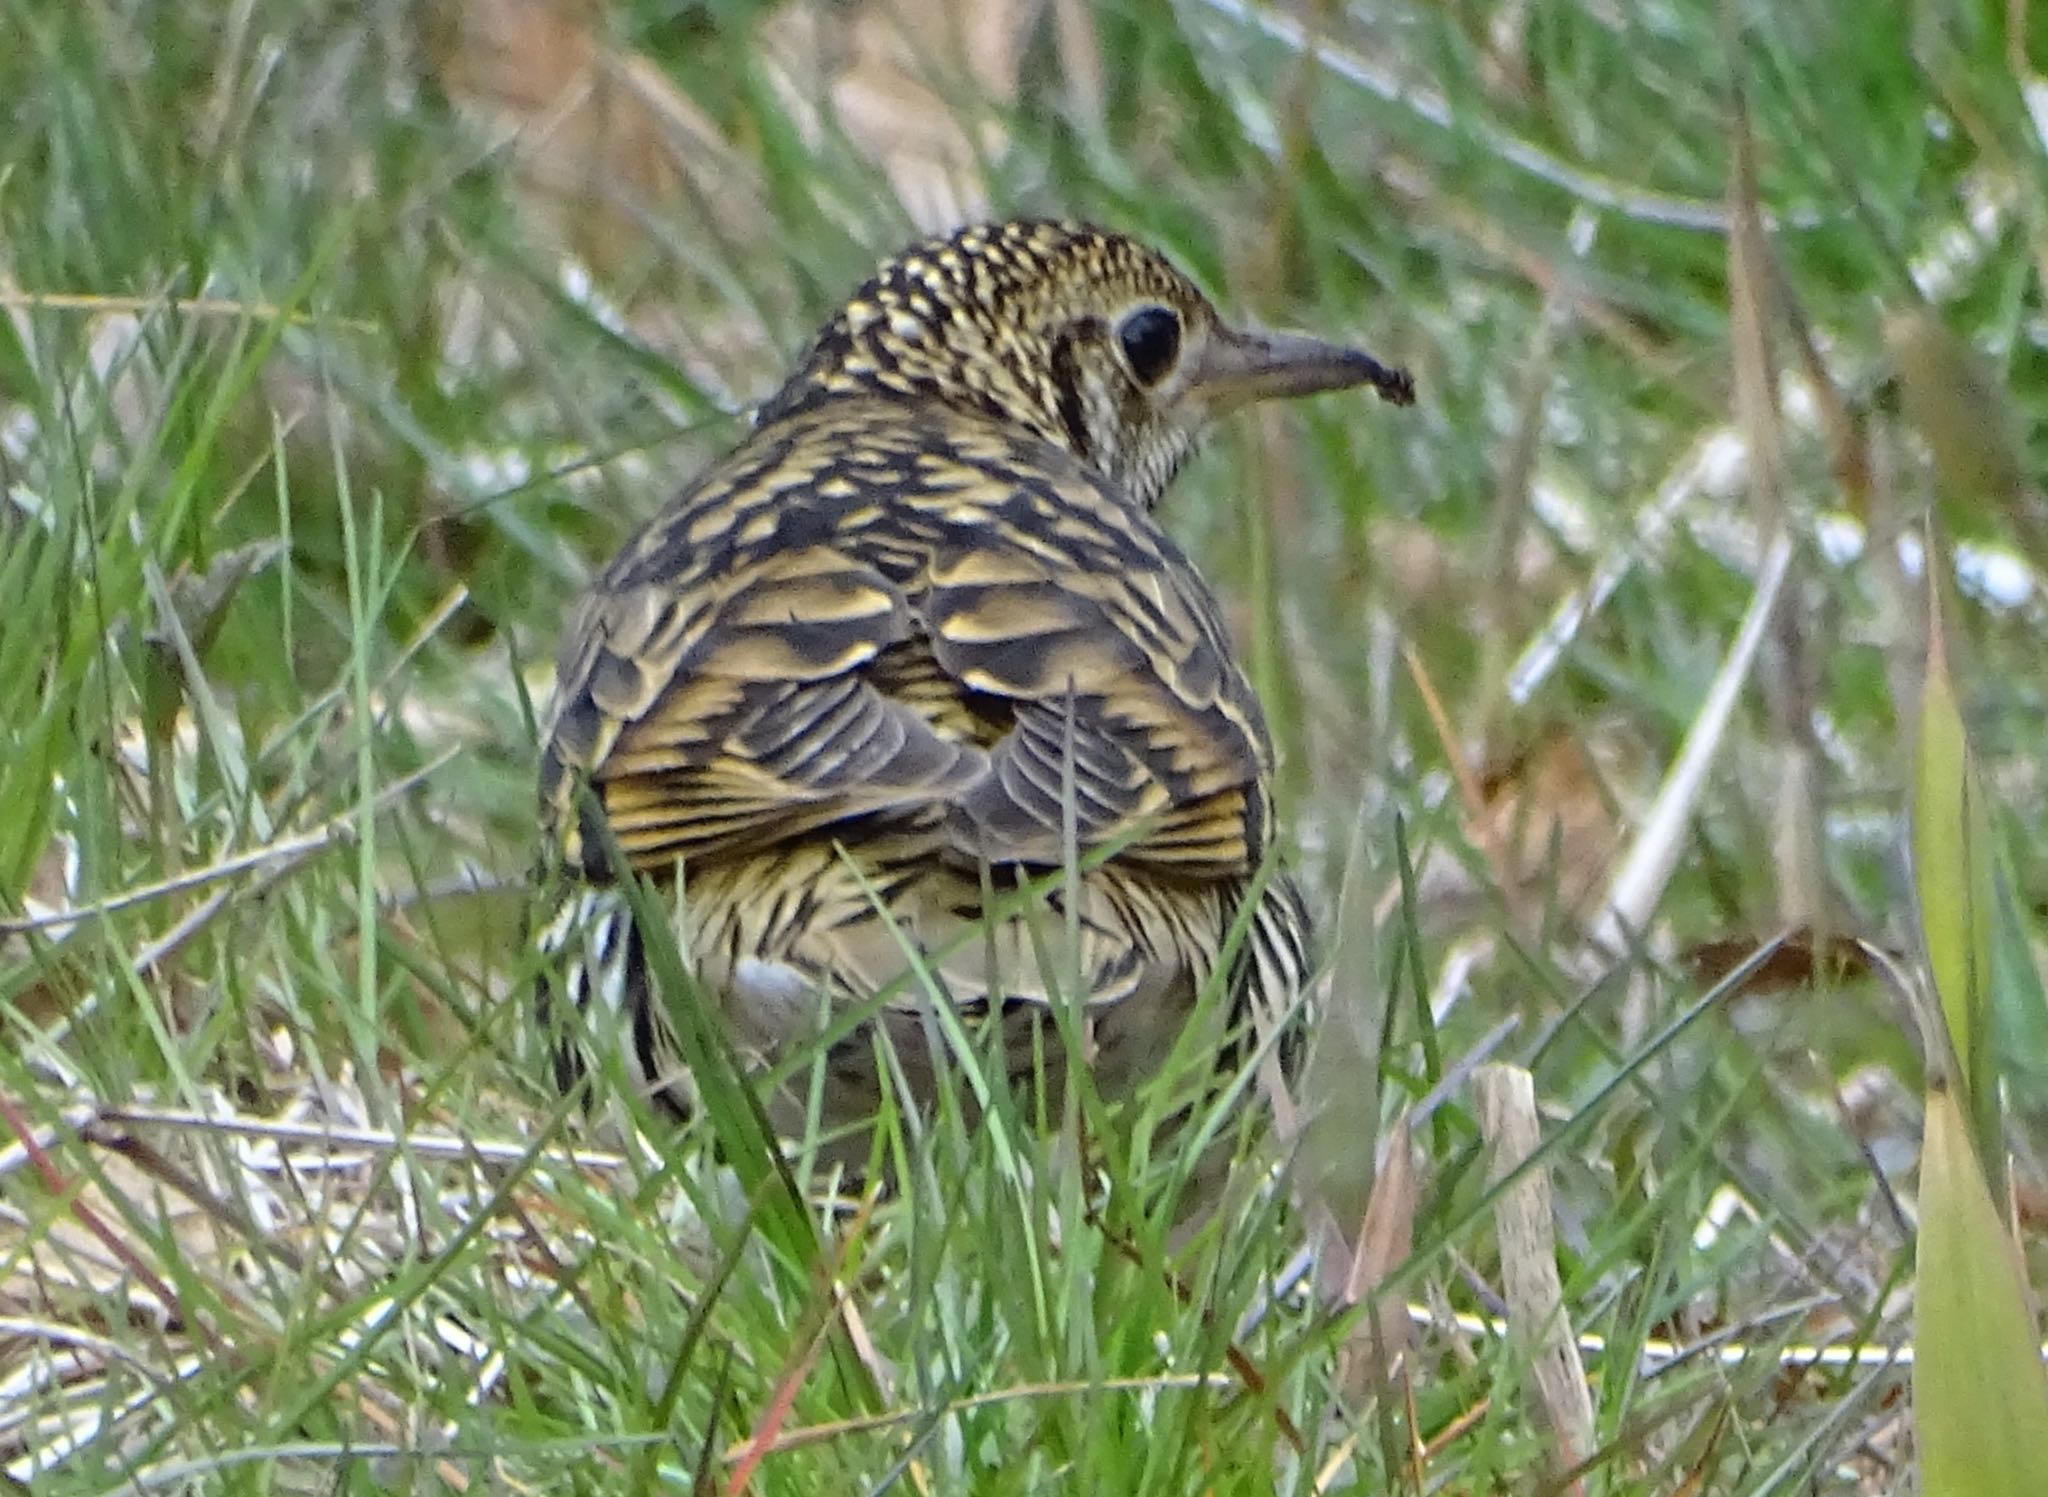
x: 1802, y: 958
x: 1386, y: 1238
x: 604, y: 143
x: 916, y: 85
x: 1547, y: 823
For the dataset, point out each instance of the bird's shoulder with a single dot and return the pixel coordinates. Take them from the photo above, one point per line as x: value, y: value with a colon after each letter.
x: 897, y: 479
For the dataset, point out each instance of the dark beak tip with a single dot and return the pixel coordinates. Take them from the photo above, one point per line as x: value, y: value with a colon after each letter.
x: 1392, y: 383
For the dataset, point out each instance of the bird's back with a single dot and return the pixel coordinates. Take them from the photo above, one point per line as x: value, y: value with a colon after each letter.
x: 872, y: 610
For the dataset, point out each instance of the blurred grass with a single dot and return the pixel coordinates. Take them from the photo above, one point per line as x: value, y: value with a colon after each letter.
x: 444, y: 299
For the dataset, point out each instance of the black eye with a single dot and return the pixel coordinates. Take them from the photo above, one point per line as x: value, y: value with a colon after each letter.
x: 1151, y: 341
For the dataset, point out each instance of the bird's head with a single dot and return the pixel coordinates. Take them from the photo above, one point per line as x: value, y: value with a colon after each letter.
x: 1091, y: 340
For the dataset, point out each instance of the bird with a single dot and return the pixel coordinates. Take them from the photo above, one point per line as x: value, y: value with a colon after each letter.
x: 917, y: 646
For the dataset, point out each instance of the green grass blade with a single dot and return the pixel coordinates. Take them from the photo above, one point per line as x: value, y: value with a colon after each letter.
x: 1980, y: 1398
x: 1954, y: 853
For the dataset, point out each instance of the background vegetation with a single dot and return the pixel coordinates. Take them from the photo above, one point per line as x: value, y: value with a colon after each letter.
x: 339, y: 342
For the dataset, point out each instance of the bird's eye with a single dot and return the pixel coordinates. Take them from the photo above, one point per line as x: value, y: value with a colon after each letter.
x: 1151, y: 342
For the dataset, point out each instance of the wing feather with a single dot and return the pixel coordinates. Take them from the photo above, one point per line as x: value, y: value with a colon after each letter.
x: 979, y: 634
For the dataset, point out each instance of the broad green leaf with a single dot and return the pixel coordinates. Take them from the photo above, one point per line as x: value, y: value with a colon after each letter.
x: 1980, y: 1399
x: 1953, y: 854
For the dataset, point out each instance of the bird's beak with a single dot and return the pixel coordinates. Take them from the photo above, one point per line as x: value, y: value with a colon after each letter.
x: 1236, y: 368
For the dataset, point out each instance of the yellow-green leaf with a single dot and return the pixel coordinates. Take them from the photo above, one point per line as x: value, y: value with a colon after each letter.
x: 1953, y: 865
x: 1980, y: 1398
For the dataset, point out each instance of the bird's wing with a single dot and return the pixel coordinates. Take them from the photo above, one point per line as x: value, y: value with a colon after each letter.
x: 722, y: 714
x: 1133, y: 726
x: 788, y: 650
